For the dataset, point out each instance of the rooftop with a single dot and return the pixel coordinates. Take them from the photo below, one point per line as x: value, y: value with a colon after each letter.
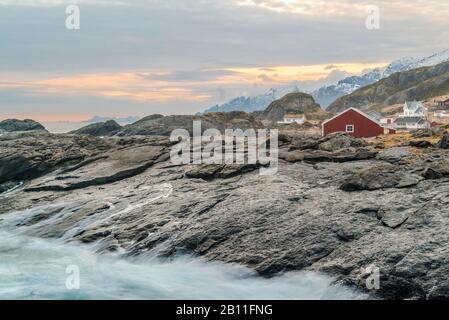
x: 413, y: 105
x: 410, y: 120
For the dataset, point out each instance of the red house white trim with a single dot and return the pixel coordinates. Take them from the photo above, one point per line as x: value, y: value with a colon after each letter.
x: 355, y: 123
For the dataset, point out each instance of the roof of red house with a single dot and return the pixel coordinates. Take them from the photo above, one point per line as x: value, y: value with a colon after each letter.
x: 356, y: 110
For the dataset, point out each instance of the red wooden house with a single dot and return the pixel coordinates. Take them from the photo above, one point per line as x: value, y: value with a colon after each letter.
x: 355, y: 123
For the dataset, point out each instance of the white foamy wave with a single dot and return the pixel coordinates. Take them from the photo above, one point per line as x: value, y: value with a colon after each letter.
x: 33, y: 268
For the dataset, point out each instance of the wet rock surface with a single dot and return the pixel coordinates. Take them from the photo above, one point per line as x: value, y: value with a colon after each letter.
x: 336, y: 217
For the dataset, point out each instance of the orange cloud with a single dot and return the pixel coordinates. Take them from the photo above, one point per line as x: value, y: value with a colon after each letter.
x: 162, y: 96
x: 130, y: 85
x: 147, y: 86
x: 305, y: 72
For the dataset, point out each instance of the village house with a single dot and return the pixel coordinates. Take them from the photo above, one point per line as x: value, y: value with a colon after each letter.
x: 414, y: 117
x: 411, y: 123
x: 413, y: 109
x: 441, y: 114
x: 444, y: 104
x: 387, y: 121
x: 293, y: 118
x: 355, y: 123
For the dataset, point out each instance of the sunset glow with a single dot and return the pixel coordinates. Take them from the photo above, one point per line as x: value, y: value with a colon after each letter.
x: 138, y: 57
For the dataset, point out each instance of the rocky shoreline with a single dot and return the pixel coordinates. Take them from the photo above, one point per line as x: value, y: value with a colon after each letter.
x: 337, y: 205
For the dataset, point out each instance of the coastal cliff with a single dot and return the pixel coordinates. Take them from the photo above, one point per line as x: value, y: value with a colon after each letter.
x: 337, y: 205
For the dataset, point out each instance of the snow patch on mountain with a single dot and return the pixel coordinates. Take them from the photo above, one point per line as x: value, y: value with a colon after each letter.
x: 250, y: 104
x: 433, y: 60
x: 326, y: 95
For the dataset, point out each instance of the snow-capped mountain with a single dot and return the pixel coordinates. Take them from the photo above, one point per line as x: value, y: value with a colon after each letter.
x: 433, y: 60
x: 250, y: 104
x: 327, y: 94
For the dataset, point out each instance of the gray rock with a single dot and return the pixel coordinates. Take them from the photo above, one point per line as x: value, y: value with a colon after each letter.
x: 436, y: 171
x: 331, y: 143
x: 29, y: 156
x: 14, y: 125
x: 115, y: 166
x: 420, y: 144
x: 324, y: 156
x: 211, y: 171
x: 379, y: 177
x: 108, y: 128
x: 164, y: 126
x: 298, y: 219
x: 444, y: 142
x: 394, y: 155
x: 393, y: 217
x: 339, y: 141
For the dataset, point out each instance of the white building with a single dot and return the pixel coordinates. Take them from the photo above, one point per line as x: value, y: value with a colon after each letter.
x: 387, y: 121
x: 414, y: 117
x: 414, y: 109
x: 293, y: 118
x: 441, y: 114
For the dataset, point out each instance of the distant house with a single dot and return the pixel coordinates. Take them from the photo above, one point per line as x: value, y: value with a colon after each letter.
x: 441, y: 114
x: 294, y: 118
x: 411, y: 123
x: 413, y: 109
x: 444, y: 103
x: 413, y: 118
x: 355, y: 123
x: 387, y: 121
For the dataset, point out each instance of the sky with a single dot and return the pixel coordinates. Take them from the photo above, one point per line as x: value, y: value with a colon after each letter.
x: 139, y: 57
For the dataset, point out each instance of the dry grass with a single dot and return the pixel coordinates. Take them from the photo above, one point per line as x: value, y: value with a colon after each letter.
x: 400, y: 138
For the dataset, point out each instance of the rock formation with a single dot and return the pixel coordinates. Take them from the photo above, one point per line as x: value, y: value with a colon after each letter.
x: 165, y: 125
x: 337, y: 205
x: 294, y: 103
x: 108, y: 128
x: 14, y: 125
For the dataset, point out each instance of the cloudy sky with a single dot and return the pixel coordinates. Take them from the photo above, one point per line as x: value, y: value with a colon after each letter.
x: 138, y: 57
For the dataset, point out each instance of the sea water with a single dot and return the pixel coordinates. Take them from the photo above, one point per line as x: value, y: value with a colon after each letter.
x: 32, y: 268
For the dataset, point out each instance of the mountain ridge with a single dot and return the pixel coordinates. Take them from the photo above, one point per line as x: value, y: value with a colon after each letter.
x: 415, y: 84
x: 254, y: 103
x: 326, y: 95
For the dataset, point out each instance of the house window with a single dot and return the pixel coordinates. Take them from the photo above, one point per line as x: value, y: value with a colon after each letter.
x: 350, y: 128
